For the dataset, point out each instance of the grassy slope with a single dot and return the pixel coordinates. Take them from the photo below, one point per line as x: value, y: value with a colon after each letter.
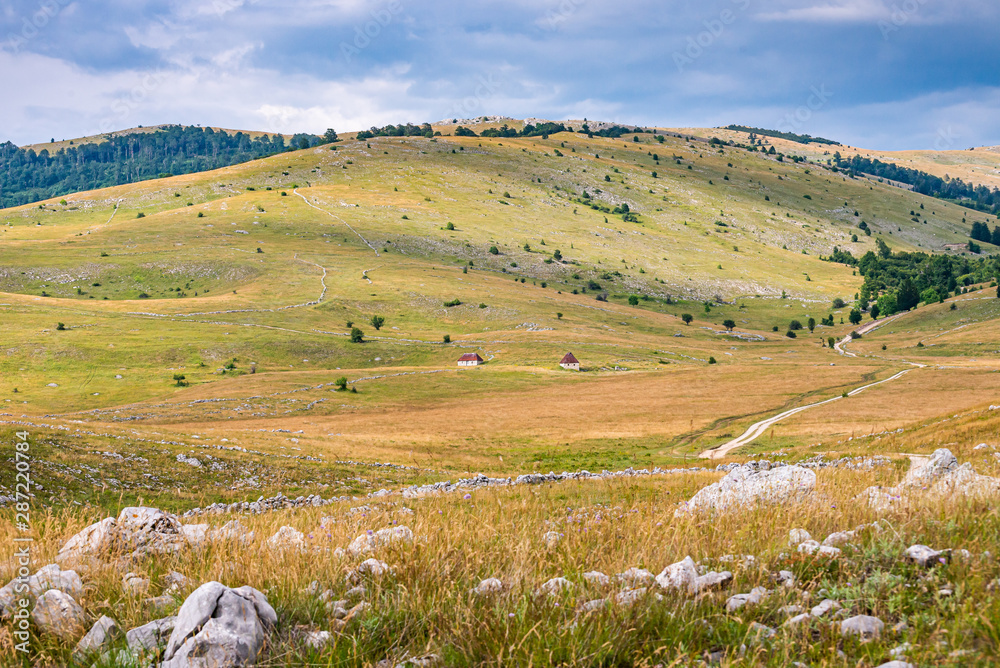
x: 647, y: 395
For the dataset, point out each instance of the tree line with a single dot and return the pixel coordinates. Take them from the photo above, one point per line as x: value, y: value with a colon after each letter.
x: 981, y: 198
x: 790, y: 136
x: 27, y: 176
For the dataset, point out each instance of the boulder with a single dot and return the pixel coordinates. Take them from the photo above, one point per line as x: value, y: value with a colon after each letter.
x: 756, y: 595
x: 231, y: 531
x: 50, y: 577
x: 636, y: 576
x: 135, y: 585
x: 317, y: 639
x: 57, y: 613
x: 488, y: 587
x: 195, y: 534
x: 551, y: 539
x: 681, y: 576
x: 101, y: 634
x: 797, y: 537
x: 799, y: 620
x: 744, y: 487
x: 712, y: 580
x: 862, y: 626
x: 596, y: 579
x: 941, y: 476
x: 219, y: 627
x: 140, y: 532
x: 555, y: 586
x: 939, y: 464
x: 825, y: 607
x: 839, y: 538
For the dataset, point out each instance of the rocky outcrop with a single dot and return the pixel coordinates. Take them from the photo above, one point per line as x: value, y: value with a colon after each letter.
x: 745, y: 487
x: 939, y: 477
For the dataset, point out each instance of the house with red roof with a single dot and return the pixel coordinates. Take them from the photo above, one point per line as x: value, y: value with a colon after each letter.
x: 470, y: 359
x: 570, y: 362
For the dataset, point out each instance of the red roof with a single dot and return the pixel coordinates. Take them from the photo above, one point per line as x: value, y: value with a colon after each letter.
x: 470, y: 357
x: 569, y: 359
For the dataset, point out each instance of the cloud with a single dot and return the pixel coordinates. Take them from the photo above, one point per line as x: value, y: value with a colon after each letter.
x: 844, y: 11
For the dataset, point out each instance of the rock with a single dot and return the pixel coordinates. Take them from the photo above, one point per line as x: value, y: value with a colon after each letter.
x: 901, y: 651
x: 896, y: 664
x: 825, y: 607
x: 369, y: 542
x: 797, y: 537
x: 83, y: 549
x: 134, y: 585
x: 785, y: 578
x: 317, y: 639
x: 756, y: 595
x: 488, y: 587
x: 175, y: 582
x: 151, y: 636
x: 797, y: 621
x: 742, y: 487
x: 195, y: 534
x: 809, y: 547
x: 863, y: 626
x: 101, y: 634
x: 51, y: 577
x: 287, y: 539
x: 827, y: 551
x: 760, y: 631
x: 682, y: 576
x: 551, y: 539
x: 839, y: 538
x: 368, y: 569
x: 594, y: 606
x: 57, y: 613
x: 922, y: 555
x: 636, y: 576
x: 939, y: 464
x: 596, y: 579
x: 355, y: 593
x: 712, y: 580
x: 232, y: 531
x: 630, y: 597
x: 140, y: 532
x: 555, y: 586
x: 219, y: 627
x: 161, y: 605
x: 792, y: 610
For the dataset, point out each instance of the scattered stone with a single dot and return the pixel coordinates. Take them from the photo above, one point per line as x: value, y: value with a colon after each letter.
x: 797, y: 621
x: 593, y: 606
x: 865, y: 627
x: 785, y: 578
x: 287, y: 539
x: 756, y: 595
x: 317, y: 639
x: 596, y: 579
x: 636, y: 576
x: 826, y: 607
x: 922, y: 555
x: 809, y: 547
x: 551, y: 539
x: 897, y: 664
x: 839, y: 538
x: 134, y: 585
x: 488, y: 587
x: 368, y: 569
x: 369, y: 542
x: 555, y: 586
x: 683, y: 576
x: 630, y: 597
x: 712, y: 580
x: 744, y: 487
x: 101, y: 634
x: 760, y: 631
x: 219, y: 626
x: 792, y: 610
x: 57, y: 613
x: 901, y: 651
x: 797, y: 537
x: 355, y: 593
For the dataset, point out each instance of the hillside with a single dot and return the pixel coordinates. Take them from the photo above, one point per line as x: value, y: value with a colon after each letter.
x: 292, y: 325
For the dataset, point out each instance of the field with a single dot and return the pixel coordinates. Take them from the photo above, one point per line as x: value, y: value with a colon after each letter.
x: 211, y: 315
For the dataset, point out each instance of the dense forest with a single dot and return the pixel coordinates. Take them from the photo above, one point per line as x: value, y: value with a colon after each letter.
x: 408, y: 130
x: 790, y: 136
x: 980, y: 198
x: 546, y: 129
x: 27, y: 176
x: 897, y: 282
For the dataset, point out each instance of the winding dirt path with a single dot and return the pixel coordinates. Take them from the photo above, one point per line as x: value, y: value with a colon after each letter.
x: 339, y: 219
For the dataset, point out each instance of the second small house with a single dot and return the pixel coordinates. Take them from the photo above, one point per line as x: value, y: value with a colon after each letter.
x: 471, y: 359
x: 570, y: 362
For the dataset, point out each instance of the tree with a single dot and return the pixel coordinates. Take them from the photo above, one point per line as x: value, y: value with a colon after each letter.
x: 494, y: 250
x: 330, y: 136
x: 377, y: 321
x: 907, y: 297
x: 875, y: 312
x: 633, y: 300
x: 795, y: 326
x: 832, y: 342
x: 60, y: 327
x: 855, y: 317
x: 884, y: 251
x: 557, y: 256
x: 341, y: 384
x: 357, y: 336
x: 447, y: 338
x: 995, y: 237
x: 812, y: 325
x: 711, y: 360
x: 687, y: 318
x: 729, y: 324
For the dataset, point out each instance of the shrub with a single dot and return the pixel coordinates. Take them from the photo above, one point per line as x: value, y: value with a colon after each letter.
x: 839, y: 303
x: 357, y: 336
x: 453, y: 302
x: 450, y: 226
x: 711, y: 360
x: 143, y: 295
x: 687, y: 318
x: 180, y: 380
x: 61, y: 327
x: 140, y: 215
x: 730, y: 325
x: 341, y: 384
x: 377, y: 321
x: 447, y: 338
x: 790, y: 334
x: 795, y: 326
x: 494, y: 250
x: 633, y: 300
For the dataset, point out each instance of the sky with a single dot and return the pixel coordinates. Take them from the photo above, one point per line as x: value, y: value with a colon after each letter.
x: 880, y: 74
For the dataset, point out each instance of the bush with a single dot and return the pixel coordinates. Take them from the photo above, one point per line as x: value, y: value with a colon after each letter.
x: 357, y: 336
x: 341, y: 384
x: 450, y: 226
x: 61, y: 327
x: 494, y: 250
x: 377, y: 322
x: 140, y: 215
x: 790, y: 334
x: 633, y: 300
x: 453, y: 302
x: 795, y: 326
x: 839, y: 303
x: 730, y: 325
x: 687, y: 318
x: 711, y: 360
x: 855, y: 335
x: 180, y: 380
x: 855, y: 317
x: 447, y: 338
